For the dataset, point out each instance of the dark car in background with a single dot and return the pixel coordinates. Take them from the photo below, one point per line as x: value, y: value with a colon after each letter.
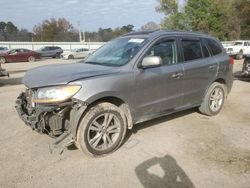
x: 50, y: 51
x: 244, y: 75
x: 134, y: 78
x: 3, y: 48
x: 17, y: 55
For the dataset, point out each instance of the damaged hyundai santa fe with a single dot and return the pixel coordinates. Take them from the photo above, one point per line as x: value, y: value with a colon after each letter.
x: 136, y: 77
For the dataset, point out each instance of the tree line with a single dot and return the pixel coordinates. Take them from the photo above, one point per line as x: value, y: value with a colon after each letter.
x: 60, y: 30
x: 225, y: 19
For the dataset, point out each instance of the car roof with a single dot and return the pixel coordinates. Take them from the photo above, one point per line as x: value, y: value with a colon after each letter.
x: 158, y: 33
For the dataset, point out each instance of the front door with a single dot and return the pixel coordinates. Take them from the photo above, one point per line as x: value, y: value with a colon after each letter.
x: 158, y: 89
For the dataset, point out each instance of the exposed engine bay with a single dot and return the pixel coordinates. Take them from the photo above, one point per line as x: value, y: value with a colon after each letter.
x: 58, y: 120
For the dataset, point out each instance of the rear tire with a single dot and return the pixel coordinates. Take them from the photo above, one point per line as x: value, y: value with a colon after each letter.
x: 213, y: 100
x: 102, y: 130
x: 57, y: 55
x: 2, y: 60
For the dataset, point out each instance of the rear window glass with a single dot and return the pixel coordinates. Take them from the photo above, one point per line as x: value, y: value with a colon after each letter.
x: 214, y: 47
x: 205, y: 50
x: 191, y: 49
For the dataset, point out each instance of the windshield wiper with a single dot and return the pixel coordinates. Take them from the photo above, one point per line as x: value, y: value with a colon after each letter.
x: 92, y: 62
x: 98, y: 63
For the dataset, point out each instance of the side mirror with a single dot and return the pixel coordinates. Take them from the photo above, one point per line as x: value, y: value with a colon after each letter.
x: 150, y: 62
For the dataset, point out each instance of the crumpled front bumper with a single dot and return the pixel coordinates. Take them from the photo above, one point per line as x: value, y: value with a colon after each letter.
x: 34, y: 118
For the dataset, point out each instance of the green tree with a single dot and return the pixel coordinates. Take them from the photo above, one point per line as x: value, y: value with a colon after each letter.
x: 174, y: 20
x: 55, y: 30
x: 150, y: 26
x: 8, y: 31
x: 216, y: 17
x: 242, y: 10
x: 205, y: 16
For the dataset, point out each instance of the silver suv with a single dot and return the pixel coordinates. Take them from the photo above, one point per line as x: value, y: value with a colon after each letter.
x: 134, y: 78
x: 50, y: 51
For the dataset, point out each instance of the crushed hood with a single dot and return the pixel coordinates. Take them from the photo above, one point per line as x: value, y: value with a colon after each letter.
x: 64, y: 73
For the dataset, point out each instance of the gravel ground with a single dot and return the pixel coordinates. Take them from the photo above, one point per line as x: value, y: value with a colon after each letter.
x: 186, y: 149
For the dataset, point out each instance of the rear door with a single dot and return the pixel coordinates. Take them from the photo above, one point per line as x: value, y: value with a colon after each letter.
x: 158, y: 89
x: 200, y: 69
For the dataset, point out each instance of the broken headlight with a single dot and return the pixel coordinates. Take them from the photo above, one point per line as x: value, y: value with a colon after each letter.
x: 55, y: 94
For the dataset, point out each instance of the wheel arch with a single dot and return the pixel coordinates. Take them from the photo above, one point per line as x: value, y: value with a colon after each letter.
x: 118, y: 102
x: 80, y: 113
x: 219, y: 80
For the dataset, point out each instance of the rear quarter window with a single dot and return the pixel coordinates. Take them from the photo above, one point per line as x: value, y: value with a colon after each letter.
x: 214, y: 46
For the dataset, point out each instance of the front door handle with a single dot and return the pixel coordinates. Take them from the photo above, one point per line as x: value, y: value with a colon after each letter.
x: 177, y: 75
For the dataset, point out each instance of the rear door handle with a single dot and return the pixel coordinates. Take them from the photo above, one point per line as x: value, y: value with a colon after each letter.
x: 177, y: 75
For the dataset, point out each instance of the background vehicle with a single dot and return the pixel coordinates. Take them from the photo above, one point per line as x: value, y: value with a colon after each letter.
x: 76, y: 53
x: 3, y: 49
x: 239, y: 49
x: 134, y: 78
x: 3, y: 72
x: 19, y: 54
x: 245, y: 73
x: 50, y: 51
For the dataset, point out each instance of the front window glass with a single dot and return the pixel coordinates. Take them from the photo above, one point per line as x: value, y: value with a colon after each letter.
x: 204, y: 49
x: 117, y: 52
x: 166, y: 50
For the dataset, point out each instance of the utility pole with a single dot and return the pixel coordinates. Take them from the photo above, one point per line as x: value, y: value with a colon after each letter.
x: 80, y: 33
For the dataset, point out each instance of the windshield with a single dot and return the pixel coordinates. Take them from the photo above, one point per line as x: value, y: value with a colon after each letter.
x: 238, y: 44
x: 117, y: 52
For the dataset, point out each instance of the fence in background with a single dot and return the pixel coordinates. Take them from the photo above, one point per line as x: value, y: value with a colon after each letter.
x: 63, y: 45
x: 67, y: 45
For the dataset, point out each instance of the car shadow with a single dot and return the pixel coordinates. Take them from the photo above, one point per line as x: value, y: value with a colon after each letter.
x: 168, y: 173
x: 10, y: 81
x: 148, y: 124
x: 156, y: 121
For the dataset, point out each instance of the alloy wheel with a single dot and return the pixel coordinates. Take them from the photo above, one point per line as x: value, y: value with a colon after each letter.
x: 103, y: 131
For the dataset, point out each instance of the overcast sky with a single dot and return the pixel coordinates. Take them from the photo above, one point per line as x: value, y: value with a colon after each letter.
x: 91, y: 14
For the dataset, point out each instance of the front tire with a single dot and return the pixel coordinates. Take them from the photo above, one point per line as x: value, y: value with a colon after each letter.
x: 2, y: 60
x: 102, y: 130
x: 213, y: 100
x: 70, y: 57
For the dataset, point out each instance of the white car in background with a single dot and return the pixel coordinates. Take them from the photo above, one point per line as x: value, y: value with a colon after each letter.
x: 77, y: 53
x: 239, y: 49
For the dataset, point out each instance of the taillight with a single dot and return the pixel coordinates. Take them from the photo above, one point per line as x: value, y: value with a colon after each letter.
x: 231, y: 60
